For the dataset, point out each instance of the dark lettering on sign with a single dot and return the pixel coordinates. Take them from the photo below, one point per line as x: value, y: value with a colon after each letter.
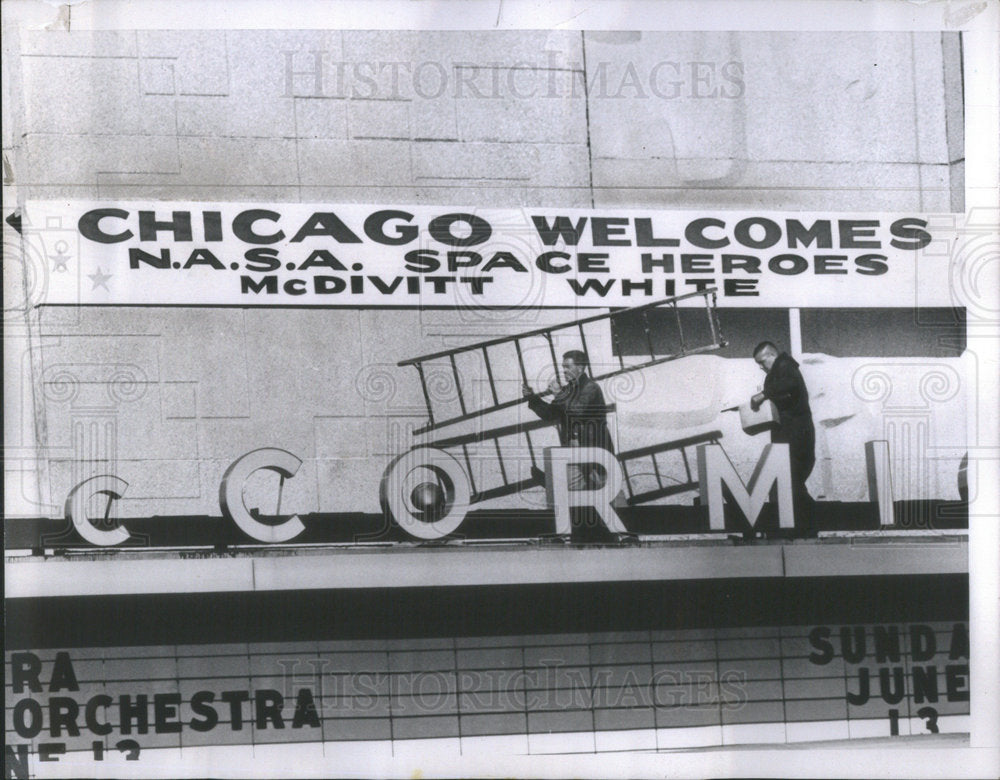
x: 893, y: 723
x: 63, y: 676
x: 887, y: 645
x: 66, y: 716
x: 63, y: 712
x: 165, y: 708
x: 28, y: 718
x: 910, y: 234
x: 927, y: 682
x: 201, y: 705
x: 959, y: 642
x: 852, y: 644
x: 268, y: 706
x: 305, y: 710
x: 923, y: 643
x: 15, y: 761
x: 957, y: 682
x: 819, y: 638
x: 235, y: 700
x: 393, y: 227
x: 930, y: 716
x: 892, y: 691
x: 90, y: 226
x: 326, y: 224
x: 925, y: 687
x: 50, y: 751
x: 25, y: 669
x: 130, y: 749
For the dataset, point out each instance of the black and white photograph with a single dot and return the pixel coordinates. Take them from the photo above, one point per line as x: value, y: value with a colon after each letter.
x: 439, y: 389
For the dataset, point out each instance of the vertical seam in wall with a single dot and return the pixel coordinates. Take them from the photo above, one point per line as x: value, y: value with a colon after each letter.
x: 795, y: 333
x: 947, y: 129
x: 956, y: 200
x: 296, y: 140
x: 11, y: 45
x: 586, y: 109
x: 458, y: 692
x: 916, y: 120
x: 781, y: 664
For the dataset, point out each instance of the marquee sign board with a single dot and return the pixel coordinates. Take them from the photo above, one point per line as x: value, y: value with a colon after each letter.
x: 648, y: 690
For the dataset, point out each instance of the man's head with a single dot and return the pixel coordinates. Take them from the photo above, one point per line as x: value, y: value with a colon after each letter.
x: 574, y: 364
x: 765, y: 354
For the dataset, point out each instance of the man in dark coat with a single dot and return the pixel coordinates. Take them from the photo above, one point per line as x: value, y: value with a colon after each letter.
x: 580, y: 413
x: 786, y: 388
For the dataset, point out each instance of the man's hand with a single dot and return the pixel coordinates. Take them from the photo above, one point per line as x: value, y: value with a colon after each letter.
x: 554, y: 386
x: 757, y: 401
x: 526, y: 390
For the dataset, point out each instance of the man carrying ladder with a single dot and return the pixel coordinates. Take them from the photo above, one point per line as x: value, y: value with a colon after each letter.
x: 579, y: 411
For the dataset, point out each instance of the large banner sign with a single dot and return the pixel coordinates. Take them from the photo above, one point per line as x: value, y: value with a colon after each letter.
x: 446, y: 332
x: 353, y: 255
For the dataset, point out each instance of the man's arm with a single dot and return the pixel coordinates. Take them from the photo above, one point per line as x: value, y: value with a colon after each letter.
x: 547, y: 411
x: 783, y: 386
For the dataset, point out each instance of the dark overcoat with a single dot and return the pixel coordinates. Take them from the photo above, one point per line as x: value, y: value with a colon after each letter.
x: 580, y: 413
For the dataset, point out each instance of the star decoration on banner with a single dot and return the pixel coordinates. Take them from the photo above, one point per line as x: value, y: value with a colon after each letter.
x: 100, y: 279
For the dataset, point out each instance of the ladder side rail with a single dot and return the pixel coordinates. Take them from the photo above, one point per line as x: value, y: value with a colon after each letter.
x: 531, y: 448
x: 656, y: 470
x: 658, y: 361
x: 458, y: 384
x: 512, y: 429
x: 503, y: 468
x: 550, y: 328
x: 583, y: 342
x: 520, y: 360
x: 468, y: 465
x: 489, y: 376
x: 670, y: 490
x: 606, y: 375
x: 713, y: 319
x: 628, y: 478
x: 423, y: 386
x: 552, y: 352
x: 649, y: 336
x: 709, y: 437
x: 680, y: 328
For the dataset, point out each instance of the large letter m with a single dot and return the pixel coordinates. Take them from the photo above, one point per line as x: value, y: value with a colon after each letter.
x: 716, y: 470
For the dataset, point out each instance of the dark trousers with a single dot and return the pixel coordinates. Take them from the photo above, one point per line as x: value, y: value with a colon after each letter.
x: 801, y: 440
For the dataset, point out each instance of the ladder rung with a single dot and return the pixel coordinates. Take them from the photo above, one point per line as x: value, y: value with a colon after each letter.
x: 649, y: 337
x: 546, y: 333
x: 628, y: 479
x: 427, y: 397
x: 468, y: 465
x: 583, y: 341
x: 489, y: 376
x: 552, y: 351
x: 458, y: 384
x: 503, y: 470
x: 520, y: 360
x: 712, y: 321
x: 656, y: 470
x: 680, y: 328
x: 531, y: 449
x: 618, y: 348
